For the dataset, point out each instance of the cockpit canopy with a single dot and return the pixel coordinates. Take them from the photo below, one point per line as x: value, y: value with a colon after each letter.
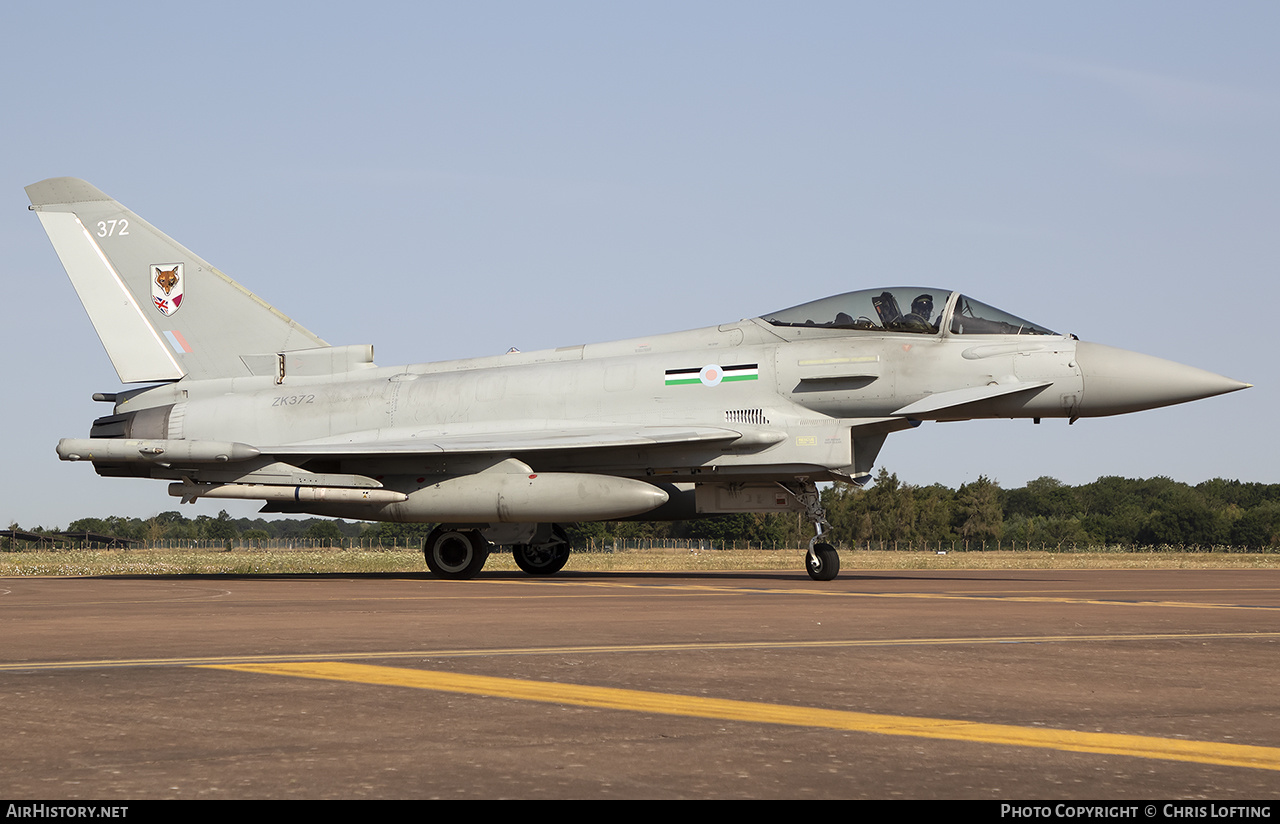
x: 911, y: 309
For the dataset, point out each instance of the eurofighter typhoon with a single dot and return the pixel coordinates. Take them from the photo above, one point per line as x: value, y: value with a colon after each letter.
x: 242, y: 402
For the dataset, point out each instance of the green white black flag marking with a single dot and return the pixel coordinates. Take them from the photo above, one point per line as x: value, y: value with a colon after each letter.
x: 713, y: 374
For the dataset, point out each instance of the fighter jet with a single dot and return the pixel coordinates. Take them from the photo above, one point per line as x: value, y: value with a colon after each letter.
x: 240, y: 401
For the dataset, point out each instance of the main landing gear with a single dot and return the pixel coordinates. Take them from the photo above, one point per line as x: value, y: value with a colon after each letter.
x: 455, y: 553
x: 460, y: 553
x: 546, y: 558
x: 822, y: 562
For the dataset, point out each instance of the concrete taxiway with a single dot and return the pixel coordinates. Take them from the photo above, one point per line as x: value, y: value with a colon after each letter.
x: 958, y: 684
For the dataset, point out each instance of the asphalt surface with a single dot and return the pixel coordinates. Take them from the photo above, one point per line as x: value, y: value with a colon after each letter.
x: 972, y: 684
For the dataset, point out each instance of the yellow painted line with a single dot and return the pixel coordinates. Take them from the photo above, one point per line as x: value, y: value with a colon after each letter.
x: 697, y: 646
x: 1231, y: 590
x: 1137, y: 746
x: 1010, y: 596
x: 1100, y: 602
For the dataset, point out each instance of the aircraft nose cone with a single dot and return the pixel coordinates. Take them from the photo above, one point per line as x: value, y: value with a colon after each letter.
x: 1118, y: 381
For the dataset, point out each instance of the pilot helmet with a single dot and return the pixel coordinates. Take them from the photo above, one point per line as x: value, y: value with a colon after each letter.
x: 922, y: 306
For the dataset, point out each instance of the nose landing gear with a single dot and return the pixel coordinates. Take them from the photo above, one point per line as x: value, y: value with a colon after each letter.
x: 822, y: 561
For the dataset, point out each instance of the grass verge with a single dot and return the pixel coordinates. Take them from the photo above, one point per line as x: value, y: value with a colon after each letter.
x: 331, y: 561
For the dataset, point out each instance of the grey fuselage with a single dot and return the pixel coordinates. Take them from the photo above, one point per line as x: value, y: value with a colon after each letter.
x: 816, y: 393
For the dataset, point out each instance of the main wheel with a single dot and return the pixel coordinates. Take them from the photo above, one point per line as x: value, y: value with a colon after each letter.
x: 543, y: 559
x: 827, y: 564
x: 453, y: 553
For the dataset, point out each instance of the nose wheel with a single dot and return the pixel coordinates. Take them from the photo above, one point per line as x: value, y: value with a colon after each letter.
x: 823, y: 562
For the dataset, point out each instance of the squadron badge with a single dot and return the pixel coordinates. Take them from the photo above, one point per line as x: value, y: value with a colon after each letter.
x: 167, y: 286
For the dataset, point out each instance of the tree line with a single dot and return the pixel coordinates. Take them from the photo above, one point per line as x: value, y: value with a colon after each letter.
x: 1110, y: 511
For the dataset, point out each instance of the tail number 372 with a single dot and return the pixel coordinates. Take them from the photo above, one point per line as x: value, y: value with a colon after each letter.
x: 113, y: 228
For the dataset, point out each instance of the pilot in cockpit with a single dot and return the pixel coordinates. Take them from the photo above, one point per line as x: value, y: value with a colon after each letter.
x: 918, y: 320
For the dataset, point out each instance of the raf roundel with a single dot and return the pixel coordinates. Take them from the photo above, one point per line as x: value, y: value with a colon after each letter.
x: 711, y: 374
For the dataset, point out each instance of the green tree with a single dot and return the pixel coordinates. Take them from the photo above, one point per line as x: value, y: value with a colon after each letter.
x: 217, y: 529
x: 324, y: 532
x: 978, y: 514
x: 1259, y: 528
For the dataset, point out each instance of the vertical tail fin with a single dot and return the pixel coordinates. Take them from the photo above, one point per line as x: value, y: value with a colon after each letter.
x: 161, y: 312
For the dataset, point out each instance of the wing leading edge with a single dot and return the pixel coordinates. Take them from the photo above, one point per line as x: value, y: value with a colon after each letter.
x: 488, y: 442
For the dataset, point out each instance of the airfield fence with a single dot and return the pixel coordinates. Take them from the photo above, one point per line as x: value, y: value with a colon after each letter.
x: 613, y: 545
x: 937, y: 547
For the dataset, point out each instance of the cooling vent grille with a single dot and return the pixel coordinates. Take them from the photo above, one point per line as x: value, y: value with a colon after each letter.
x: 755, y: 416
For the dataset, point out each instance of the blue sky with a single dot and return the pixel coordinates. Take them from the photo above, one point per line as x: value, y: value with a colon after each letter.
x: 451, y: 179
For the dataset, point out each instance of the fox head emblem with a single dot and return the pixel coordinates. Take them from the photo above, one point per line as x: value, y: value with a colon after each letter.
x: 167, y: 279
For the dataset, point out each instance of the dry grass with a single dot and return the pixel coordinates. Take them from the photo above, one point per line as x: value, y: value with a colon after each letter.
x: 268, y: 562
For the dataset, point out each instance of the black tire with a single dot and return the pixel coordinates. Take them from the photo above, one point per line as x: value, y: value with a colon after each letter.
x: 547, y: 559
x: 453, y: 553
x: 537, y: 560
x: 828, y: 563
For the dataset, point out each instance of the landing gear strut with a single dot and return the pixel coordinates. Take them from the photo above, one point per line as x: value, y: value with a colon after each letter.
x: 455, y: 553
x: 822, y: 561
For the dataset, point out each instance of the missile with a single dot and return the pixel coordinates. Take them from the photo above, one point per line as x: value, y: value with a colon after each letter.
x: 189, y: 492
